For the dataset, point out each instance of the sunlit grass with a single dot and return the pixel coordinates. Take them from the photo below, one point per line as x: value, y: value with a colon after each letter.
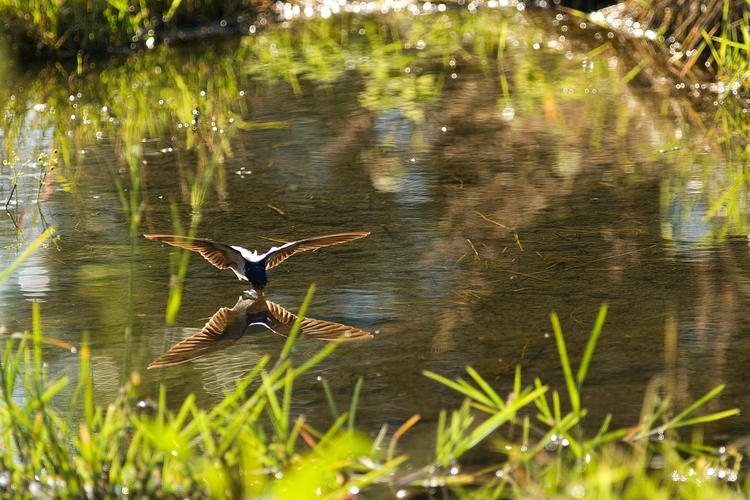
x: 553, y: 455
x: 248, y: 444
x: 50, y: 27
x: 723, y: 51
x: 703, y: 51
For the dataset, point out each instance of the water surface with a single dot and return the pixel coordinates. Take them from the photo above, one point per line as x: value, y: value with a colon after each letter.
x: 500, y: 181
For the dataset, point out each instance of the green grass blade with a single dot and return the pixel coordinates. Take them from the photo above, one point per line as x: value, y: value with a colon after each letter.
x: 378, y: 443
x: 287, y: 401
x: 50, y: 390
x: 606, y: 438
x: 185, y: 410
x: 499, y: 403
x: 319, y: 356
x: 27, y: 253
x: 575, y: 400
x: 690, y: 409
x: 560, y: 427
x: 37, y: 330
x: 461, y: 387
x: 294, y: 434
x: 492, y: 423
x: 526, y: 428
x: 474, y: 393
x: 331, y: 402
x: 706, y: 418
x: 353, y: 405
x: 583, y: 369
x: 274, y: 410
x: 331, y: 433
x: 541, y: 403
x: 287, y: 350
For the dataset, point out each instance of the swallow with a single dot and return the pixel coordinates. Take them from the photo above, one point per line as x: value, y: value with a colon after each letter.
x: 247, y: 265
x: 228, y: 325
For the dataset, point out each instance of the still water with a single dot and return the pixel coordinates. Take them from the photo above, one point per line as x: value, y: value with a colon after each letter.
x: 501, y: 163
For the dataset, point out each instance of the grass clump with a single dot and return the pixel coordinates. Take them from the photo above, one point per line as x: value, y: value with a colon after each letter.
x: 245, y: 446
x: 550, y: 454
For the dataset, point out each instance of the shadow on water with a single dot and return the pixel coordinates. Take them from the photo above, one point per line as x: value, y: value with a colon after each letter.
x: 501, y: 163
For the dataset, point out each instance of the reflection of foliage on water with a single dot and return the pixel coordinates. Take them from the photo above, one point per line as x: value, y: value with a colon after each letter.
x: 402, y: 62
x: 727, y: 177
x: 177, y: 111
x: 684, y: 202
x: 155, y: 109
x: 194, y: 100
x: 168, y: 110
x: 152, y: 114
x: 403, y: 59
x: 29, y: 186
x: 162, y: 107
x: 712, y: 189
x: 709, y: 54
x: 706, y: 196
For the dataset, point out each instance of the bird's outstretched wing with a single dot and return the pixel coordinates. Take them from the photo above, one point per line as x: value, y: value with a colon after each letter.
x: 221, y: 255
x: 224, y: 328
x: 277, y: 255
x: 280, y: 321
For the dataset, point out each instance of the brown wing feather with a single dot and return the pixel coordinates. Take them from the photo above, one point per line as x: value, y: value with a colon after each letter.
x: 222, y: 330
x: 328, y: 330
x: 278, y: 255
x: 218, y: 254
x: 279, y: 319
x: 313, y: 328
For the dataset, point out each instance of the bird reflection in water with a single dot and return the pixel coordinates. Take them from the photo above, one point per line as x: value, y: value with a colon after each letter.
x: 227, y: 326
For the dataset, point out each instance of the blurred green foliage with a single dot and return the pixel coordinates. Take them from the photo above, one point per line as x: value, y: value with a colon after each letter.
x: 50, y: 28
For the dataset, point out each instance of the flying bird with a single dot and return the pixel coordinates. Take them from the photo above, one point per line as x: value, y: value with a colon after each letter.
x: 247, y: 265
x: 227, y: 326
